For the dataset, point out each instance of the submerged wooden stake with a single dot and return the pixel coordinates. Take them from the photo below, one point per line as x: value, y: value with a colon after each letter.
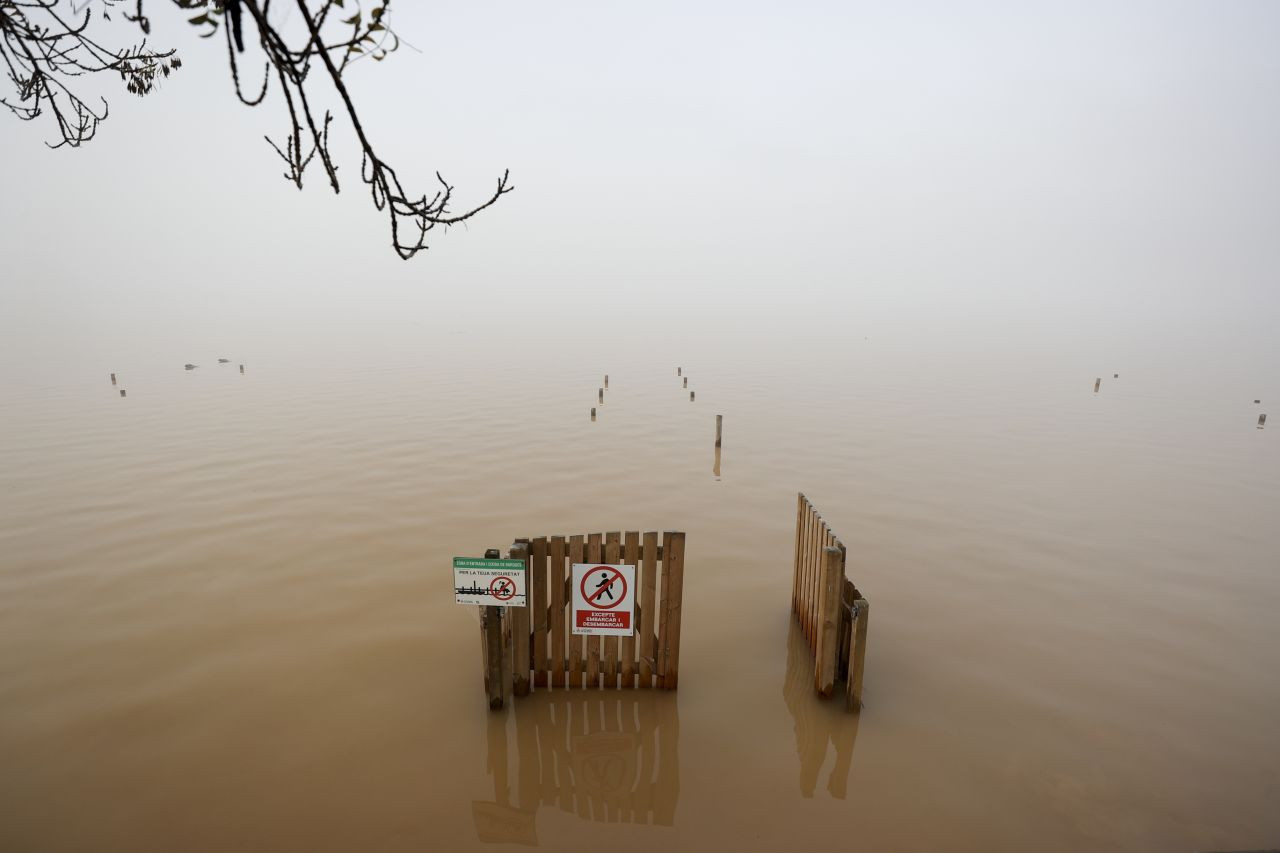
x: 1262, y: 419
x: 690, y: 396
x: 113, y: 381
x: 601, y: 395
x: 593, y: 413
x: 1115, y: 376
x: 606, y: 380
x: 686, y: 382
x: 1097, y: 383
x: 678, y: 369
x: 719, y: 428
x: 122, y: 394
x: 242, y: 368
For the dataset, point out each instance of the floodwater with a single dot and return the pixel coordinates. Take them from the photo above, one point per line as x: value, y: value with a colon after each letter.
x: 226, y: 618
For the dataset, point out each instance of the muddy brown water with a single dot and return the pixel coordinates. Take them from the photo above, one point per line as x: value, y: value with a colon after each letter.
x: 226, y: 619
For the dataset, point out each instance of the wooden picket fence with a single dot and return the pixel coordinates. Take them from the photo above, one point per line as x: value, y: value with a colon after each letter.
x: 539, y: 650
x: 830, y: 609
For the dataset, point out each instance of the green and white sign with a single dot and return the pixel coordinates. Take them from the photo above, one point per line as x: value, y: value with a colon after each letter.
x: 498, y: 583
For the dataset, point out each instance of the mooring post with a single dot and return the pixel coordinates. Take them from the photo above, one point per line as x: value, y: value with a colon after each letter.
x: 858, y: 654
x: 690, y: 396
x: 606, y: 380
x: 113, y: 379
x: 1262, y: 419
x: 593, y: 413
x: 602, y: 396
x: 719, y: 428
x: 686, y: 382
x: 491, y: 632
x: 1097, y: 383
x: 678, y: 369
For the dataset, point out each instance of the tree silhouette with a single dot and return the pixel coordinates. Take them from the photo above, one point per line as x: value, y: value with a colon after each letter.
x: 48, y: 47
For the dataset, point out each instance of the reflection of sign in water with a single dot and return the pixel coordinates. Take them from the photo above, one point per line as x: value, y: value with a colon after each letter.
x: 603, y: 599
x: 498, y: 583
x: 499, y: 824
x: 605, y: 762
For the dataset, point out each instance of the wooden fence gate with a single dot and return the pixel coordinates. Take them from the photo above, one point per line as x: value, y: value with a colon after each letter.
x: 533, y: 647
x: 830, y: 609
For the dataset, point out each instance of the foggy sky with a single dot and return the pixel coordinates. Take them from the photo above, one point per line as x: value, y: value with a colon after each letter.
x: 1030, y: 173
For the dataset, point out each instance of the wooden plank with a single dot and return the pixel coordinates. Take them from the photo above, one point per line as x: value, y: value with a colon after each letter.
x: 555, y: 574
x: 631, y: 556
x: 795, y: 566
x: 520, y: 650
x: 577, y: 552
x: 538, y: 604
x: 829, y: 627
x: 673, y: 594
x: 858, y: 654
x: 594, y: 553
x: 648, y: 609
x: 815, y: 551
x: 612, y: 556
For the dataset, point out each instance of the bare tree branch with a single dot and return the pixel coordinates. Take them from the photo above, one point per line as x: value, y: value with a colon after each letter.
x: 45, y: 47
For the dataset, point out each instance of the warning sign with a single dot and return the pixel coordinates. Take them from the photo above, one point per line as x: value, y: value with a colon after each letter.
x: 604, y: 599
x: 499, y: 583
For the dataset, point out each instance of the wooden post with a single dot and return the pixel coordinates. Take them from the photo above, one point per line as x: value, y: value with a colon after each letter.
x: 631, y: 556
x: 491, y: 631
x: 829, y: 624
x: 646, y: 619
x: 537, y: 598
x: 719, y: 428
x: 606, y: 380
x: 123, y: 394
x: 593, y: 413
x: 576, y: 644
x: 858, y: 654
x: 690, y: 396
x: 555, y: 573
x: 520, y: 653
x: 612, y: 556
x: 678, y: 369
x: 686, y: 382
x: 242, y: 368
x: 602, y: 396
x: 672, y: 599
x: 1097, y: 383
x: 1262, y: 419
x: 113, y: 379
x: 594, y: 553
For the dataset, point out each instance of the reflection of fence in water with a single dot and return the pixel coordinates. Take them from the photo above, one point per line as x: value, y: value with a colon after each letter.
x: 610, y: 758
x: 817, y: 723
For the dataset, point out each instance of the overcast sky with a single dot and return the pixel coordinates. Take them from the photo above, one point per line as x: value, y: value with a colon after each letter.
x: 1018, y: 169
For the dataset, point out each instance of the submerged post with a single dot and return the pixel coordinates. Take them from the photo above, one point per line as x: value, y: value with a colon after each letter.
x: 593, y: 413
x: 491, y: 634
x: 1262, y: 419
x: 719, y: 428
x: 122, y: 394
x: 113, y: 379
x: 686, y: 382
x: 690, y: 396
x: 606, y: 380
x: 1097, y: 383
x: 601, y: 395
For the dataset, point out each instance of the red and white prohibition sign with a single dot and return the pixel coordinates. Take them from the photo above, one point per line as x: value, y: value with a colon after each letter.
x: 603, y: 600
x: 502, y: 588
